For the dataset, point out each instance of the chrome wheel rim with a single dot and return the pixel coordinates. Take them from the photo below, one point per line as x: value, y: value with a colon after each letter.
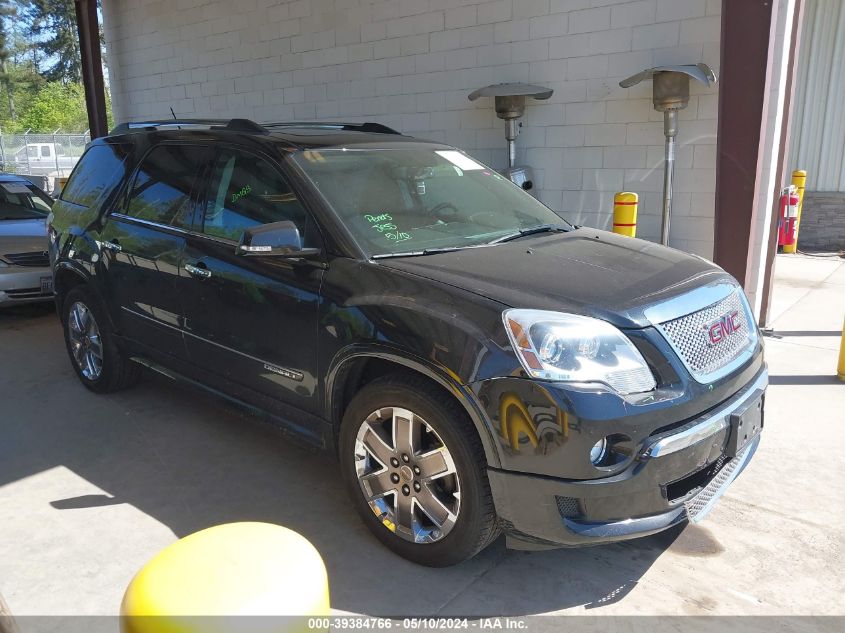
x: 407, y: 475
x: 85, y: 342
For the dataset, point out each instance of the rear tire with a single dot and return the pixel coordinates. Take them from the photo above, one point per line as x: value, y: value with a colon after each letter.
x: 92, y: 346
x: 431, y: 501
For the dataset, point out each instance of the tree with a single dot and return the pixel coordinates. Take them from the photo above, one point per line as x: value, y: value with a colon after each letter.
x: 56, y: 105
x: 21, y: 81
x: 40, y: 67
x: 52, y: 27
x: 6, y: 11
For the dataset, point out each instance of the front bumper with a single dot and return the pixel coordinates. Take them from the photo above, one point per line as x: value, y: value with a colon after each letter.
x: 677, y: 475
x: 19, y: 284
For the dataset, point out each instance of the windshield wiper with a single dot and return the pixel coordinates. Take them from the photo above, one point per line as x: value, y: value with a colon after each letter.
x: 426, y: 251
x: 531, y: 230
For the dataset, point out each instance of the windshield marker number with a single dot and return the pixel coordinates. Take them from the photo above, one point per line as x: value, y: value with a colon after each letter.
x: 384, y: 224
x: 240, y: 194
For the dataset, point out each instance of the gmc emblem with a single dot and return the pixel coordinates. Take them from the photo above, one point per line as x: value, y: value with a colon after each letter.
x: 723, y: 327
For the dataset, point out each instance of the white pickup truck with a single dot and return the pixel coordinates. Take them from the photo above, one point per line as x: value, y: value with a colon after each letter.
x: 44, y: 159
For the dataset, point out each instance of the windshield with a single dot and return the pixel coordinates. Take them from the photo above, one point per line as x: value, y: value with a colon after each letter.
x: 23, y: 201
x: 397, y: 201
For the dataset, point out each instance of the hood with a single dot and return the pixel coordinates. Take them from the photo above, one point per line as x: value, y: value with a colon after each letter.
x: 585, y: 271
x: 23, y: 236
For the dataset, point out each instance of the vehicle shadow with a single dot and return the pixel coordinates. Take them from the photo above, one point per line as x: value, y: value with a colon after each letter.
x: 24, y: 315
x: 190, y: 461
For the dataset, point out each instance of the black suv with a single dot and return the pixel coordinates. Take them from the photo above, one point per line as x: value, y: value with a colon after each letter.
x: 477, y: 363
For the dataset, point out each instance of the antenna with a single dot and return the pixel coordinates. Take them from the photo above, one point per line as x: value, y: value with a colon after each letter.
x: 174, y: 117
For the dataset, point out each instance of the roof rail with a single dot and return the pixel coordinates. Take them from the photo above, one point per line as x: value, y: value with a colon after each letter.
x: 375, y: 128
x: 246, y: 125
x: 232, y: 125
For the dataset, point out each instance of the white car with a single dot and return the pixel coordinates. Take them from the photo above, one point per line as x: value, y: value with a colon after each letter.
x: 25, y: 275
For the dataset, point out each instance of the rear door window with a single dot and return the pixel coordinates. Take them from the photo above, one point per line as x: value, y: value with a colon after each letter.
x: 162, y: 187
x: 99, y: 171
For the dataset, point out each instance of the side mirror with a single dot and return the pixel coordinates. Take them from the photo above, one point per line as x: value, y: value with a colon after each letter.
x: 277, y: 239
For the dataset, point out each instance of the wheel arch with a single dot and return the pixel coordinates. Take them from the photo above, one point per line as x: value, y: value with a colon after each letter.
x: 65, y: 278
x: 357, y: 368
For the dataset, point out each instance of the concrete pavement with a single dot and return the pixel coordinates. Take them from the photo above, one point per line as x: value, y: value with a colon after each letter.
x: 93, y: 486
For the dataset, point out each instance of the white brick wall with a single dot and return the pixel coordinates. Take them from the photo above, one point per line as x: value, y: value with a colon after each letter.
x: 411, y: 64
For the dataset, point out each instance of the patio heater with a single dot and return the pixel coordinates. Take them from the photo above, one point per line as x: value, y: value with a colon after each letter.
x: 509, y: 99
x: 670, y: 93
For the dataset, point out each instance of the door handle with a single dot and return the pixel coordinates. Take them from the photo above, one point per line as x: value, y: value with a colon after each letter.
x: 197, y: 271
x: 114, y: 247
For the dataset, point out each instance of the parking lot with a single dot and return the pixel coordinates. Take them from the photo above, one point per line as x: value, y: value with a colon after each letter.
x: 93, y: 486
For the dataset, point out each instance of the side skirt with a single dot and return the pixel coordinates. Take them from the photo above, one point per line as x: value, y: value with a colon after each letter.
x: 305, y: 429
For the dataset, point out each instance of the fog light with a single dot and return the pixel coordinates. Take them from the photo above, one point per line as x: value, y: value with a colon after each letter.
x: 598, y: 451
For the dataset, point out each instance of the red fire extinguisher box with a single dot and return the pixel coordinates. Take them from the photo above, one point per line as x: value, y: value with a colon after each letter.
x: 787, y: 223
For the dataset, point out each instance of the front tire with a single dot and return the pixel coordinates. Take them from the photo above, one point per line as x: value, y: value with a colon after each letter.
x: 414, y: 466
x: 92, y: 346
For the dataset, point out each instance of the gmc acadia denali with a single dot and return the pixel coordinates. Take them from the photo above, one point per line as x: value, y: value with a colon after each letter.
x: 477, y: 364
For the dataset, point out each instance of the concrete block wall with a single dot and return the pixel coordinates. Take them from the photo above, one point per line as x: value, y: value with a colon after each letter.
x: 822, y: 222
x: 411, y: 64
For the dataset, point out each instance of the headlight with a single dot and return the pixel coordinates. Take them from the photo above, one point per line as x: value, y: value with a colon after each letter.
x: 573, y: 348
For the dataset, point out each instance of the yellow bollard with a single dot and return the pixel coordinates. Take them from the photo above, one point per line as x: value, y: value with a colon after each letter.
x: 799, y: 179
x: 211, y: 581
x: 625, y: 213
x: 840, y: 370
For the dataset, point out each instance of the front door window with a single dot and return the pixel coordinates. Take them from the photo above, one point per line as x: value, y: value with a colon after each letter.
x: 247, y: 191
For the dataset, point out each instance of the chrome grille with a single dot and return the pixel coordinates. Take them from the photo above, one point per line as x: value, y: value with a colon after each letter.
x: 690, y: 335
x: 36, y: 259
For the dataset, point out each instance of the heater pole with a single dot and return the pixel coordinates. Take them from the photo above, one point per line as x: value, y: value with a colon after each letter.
x: 670, y: 93
x: 511, y: 132
x: 670, y: 130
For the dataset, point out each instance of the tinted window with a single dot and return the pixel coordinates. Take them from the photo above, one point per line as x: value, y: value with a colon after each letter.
x: 161, y: 189
x: 45, y: 151
x: 99, y: 171
x: 248, y: 191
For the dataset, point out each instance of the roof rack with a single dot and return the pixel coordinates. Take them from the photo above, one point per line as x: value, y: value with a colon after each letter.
x: 369, y: 126
x: 245, y: 125
x: 231, y: 125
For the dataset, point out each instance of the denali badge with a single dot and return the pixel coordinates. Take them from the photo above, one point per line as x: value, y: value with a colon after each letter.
x: 287, y: 373
x: 723, y: 327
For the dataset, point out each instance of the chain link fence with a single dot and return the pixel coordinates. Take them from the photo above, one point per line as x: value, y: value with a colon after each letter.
x: 50, y: 155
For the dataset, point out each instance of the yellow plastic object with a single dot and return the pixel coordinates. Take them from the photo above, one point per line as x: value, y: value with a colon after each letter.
x: 625, y: 213
x: 840, y: 370
x: 799, y: 179
x: 232, y: 570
